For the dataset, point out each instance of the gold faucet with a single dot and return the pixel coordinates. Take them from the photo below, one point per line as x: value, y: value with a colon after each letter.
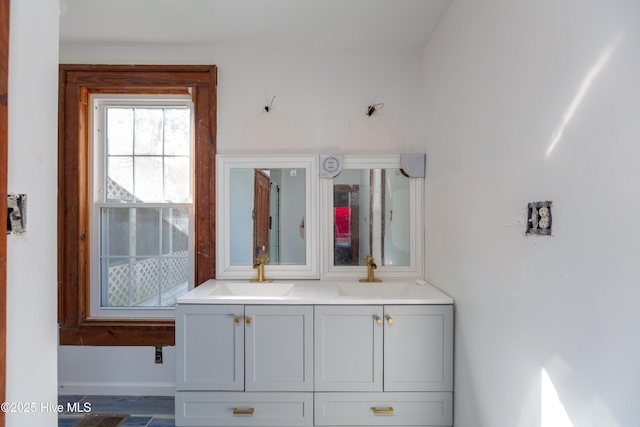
x: 260, y: 262
x: 371, y: 265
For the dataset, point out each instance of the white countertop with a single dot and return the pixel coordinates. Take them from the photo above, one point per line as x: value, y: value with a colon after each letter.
x: 316, y: 292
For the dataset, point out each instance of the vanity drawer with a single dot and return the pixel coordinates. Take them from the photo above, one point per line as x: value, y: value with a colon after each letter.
x: 378, y: 409
x: 243, y: 409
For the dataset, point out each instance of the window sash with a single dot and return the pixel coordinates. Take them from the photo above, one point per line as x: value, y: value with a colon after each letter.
x: 125, y: 269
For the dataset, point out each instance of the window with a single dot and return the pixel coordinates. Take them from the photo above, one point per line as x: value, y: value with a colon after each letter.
x: 142, y: 207
x: 145, y: 204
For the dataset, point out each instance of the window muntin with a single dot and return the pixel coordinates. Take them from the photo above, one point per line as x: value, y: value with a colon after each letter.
x: 143, y: 205
x: 148, y: 154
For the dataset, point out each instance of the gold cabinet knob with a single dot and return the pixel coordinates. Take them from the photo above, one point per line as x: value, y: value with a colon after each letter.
x: 248, y: 320
x: 390, y: 320
x: 238, y: 319
x: 378, y: 320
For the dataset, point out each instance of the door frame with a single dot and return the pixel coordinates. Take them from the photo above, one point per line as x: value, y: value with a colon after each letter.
x: 4, y: 143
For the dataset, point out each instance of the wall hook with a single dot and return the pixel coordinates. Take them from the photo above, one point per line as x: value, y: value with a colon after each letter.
x: 267, y: 108
x: 373, y: 108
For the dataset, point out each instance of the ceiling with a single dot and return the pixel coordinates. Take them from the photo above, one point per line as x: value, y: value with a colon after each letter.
x: 358, y: 24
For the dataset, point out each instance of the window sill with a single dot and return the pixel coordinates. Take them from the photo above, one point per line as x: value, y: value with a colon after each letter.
x: 128, y: 332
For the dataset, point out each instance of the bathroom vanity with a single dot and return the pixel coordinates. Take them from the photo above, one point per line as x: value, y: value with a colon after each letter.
x: 325, y: 353
x: 315, y: 347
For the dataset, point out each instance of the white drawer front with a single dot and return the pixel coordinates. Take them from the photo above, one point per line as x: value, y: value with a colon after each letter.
x: 251, y: 409
x: 384, y: 409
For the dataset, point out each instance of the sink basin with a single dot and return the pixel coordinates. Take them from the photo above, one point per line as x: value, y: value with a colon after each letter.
x: 383, y: 290
x: 251, y: 289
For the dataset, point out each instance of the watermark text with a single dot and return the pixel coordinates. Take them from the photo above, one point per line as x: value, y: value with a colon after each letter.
x: 26, y: 407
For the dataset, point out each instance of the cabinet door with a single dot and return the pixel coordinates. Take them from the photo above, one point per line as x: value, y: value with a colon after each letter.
x: 418, y: 348
x: 348, y: 348
x: 279, y: 348
x: 209, y: 347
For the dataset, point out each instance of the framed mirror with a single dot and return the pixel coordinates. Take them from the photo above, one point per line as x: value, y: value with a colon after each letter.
x: 372, y: 208
x: 267, y: 208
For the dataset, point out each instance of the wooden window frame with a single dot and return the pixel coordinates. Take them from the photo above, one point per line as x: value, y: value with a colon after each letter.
x: 76, y: 84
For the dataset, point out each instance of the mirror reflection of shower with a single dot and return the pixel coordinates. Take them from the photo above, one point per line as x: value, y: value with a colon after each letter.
x: 274, y: 220
x: 371, y: 210
x: 267, y: 216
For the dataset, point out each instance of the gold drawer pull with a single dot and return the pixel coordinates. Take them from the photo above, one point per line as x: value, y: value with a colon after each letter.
x: 390, y: 320
x: 238, y: 319
x: 248, y: 411
x: 378, y: 320
x: 248, y: 320
x: 388, y: 411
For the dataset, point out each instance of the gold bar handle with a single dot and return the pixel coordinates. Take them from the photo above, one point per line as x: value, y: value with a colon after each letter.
x: 388, y: 411
x: 248, y: 411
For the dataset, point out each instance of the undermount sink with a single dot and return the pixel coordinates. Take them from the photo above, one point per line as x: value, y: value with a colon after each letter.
x: 367, y: 289
x: 253, y: 289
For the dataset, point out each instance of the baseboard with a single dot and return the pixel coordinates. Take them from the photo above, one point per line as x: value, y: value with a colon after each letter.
x: 117, y: 389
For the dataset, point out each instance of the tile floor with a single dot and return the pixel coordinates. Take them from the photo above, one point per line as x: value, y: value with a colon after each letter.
x: 145, y: 411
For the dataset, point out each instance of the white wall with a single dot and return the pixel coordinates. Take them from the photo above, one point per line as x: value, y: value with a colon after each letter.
x: 320, y: 95
x: 31, y: 257
x: 319, y: 107
x: 116, y: 371
x: 533, y: 101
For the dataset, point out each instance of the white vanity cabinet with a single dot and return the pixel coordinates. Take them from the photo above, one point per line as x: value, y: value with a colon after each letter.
x: 383, y: 365
x: 314, y: 357
x: 244, y: 365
